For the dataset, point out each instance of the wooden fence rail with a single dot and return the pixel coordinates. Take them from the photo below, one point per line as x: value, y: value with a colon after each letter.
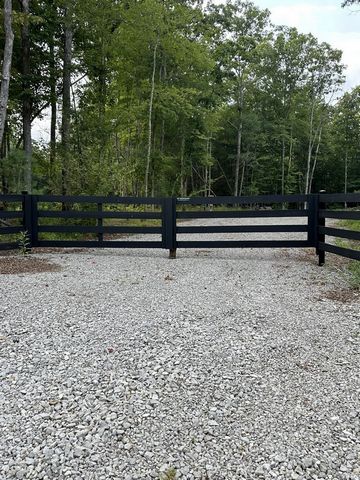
x: 44, y: 215
x: 325, y: 201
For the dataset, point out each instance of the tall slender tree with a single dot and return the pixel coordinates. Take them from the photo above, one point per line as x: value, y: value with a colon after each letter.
x: 6, y: 68
x: 26, y: 93
x: 66, y: 98
x: 241, y: 27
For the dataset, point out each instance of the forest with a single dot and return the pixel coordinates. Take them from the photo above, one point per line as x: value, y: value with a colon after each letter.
x: 171, y: 97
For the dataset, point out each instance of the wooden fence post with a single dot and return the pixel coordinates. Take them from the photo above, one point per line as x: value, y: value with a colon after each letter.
x: 30, y: 217
x: 34, y: 220
x: 169, y: 226
x: 100, y: 235
x: 312, y: 206
x: 27, y: 216
x: 321, y: 223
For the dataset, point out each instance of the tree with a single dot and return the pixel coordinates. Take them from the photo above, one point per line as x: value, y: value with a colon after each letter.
x: 346, y: 131
x: 6, y: 68
x: 283, y: 74
x: 240, y: 28
x: 166, y: 97
x: 66, y: 96
x: 26, y: 93
x: 324, y: 79
x: 160, y: 78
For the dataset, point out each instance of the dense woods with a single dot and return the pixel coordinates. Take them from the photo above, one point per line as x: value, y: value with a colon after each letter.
x: 168, y: 97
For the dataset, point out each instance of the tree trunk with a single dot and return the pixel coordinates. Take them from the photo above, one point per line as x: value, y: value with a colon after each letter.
x: 238, y: 159
x: 315, y: 160
x: 102, y: 102
x: 192, y: 177
x: 117, y: 147
x: 182, y: 167
x: 290, y: 154
x: 346, y: 175
x: 4, y: 152
x: 162, y: 138
x: 66, y: 106
x: 310, y: 149
x: 240, y: 104
x: 205, y: 180
x: 6, y: 68
x: 53, y: 107
x: 209, y: 181
x: 76, y: 125
x: 210, y: 169
x: 148, y: 157
x: 242, y: 178
x: 283, y: 167
x: 153, y: 186
x: 27, y: 98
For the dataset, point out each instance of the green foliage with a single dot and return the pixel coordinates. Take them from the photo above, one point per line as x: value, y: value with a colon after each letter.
x: 170, y: 474
x: 354, y: 277
x: 351, y: 225
x: 353, y: 268
x: 23, y: 241
x: 236, y: 100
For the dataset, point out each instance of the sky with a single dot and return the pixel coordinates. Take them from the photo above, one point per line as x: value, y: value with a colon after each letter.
x: 327, y: 21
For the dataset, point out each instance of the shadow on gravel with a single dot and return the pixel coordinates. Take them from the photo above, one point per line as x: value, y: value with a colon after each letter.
x: 234, y: 254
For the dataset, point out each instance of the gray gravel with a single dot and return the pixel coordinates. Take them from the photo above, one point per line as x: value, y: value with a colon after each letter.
x: 218, y: 365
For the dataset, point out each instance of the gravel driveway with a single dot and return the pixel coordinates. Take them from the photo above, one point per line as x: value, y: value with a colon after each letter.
x: 222, y: 364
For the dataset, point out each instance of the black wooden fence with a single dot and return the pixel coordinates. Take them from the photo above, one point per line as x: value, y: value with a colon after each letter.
x: 326, y: 201
x: 89, y: 216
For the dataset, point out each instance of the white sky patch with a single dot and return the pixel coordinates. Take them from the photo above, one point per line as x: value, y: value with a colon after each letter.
x: 349, y: 44
x: 300, y: 15
x: 327, y: 21
x: 40, y: 128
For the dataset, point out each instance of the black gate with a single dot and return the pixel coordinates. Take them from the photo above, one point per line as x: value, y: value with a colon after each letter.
x: 47, y: 218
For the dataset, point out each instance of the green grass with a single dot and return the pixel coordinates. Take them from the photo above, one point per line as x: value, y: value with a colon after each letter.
x: 9, y: 238
x: 350, y: 225
x: 170, y: 474
x: 354, y: 275
x: 353, y: 268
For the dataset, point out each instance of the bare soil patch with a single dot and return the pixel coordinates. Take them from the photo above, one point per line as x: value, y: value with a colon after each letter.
x: 12, y: 265
x: 346, y: 295
x: 11, y: 253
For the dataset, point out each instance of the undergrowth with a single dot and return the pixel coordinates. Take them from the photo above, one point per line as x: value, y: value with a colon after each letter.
x: 353, y: 268
x: 23, y: 241
x: 170, y: 474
